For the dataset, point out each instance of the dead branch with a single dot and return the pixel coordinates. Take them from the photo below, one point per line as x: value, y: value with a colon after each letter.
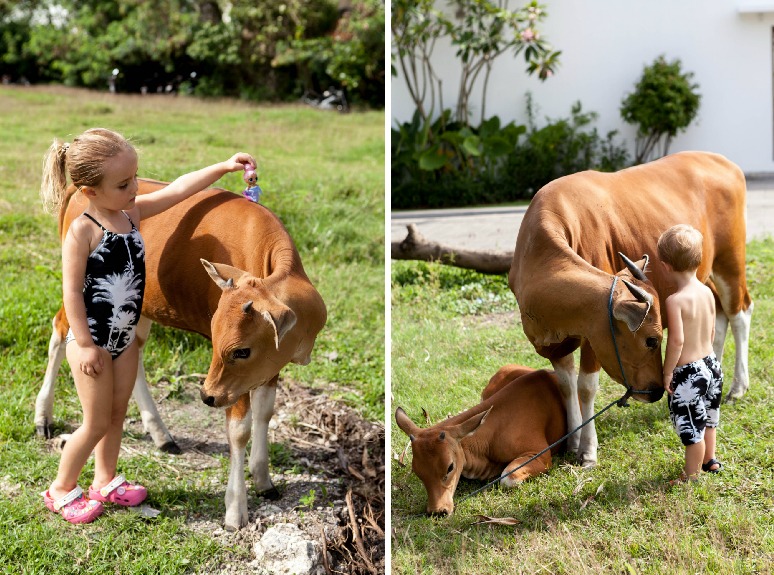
x: 417, y: 247
x: 356, y: 534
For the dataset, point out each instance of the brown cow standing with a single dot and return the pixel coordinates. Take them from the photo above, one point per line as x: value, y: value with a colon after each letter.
x: 521, y: 414
x: 567, y: 252
x: 255, y: 304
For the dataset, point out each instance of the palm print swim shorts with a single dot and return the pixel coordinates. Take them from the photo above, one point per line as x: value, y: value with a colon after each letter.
x: 695, y: 403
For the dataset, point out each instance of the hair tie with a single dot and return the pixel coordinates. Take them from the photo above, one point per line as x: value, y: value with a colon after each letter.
x: 65, y: 147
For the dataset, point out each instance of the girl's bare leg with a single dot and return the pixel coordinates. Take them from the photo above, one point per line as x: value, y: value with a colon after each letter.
x: 96, y: 396
x: 107, y: 450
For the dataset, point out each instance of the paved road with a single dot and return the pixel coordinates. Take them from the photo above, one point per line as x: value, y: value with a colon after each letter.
x: 497, y: 228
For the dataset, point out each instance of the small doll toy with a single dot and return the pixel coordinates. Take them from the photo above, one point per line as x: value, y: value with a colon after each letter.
x: 253, y: 190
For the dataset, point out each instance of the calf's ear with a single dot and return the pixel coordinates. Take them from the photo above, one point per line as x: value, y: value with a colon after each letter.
x: 225, y: 276
x: 469, y: 426
x: 406, y: 425
x: 282, y: 320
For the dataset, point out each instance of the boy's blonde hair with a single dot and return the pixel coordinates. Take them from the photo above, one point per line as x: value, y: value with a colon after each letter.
x: 681, y: 247
x: 83, y: 160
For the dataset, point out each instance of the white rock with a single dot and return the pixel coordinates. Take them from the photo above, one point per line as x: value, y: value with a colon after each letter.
x: 286, y: 550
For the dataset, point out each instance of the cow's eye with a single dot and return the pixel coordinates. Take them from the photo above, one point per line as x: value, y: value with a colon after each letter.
x: 652, y: 342
x: 451, y: 468
x: 243, y: 353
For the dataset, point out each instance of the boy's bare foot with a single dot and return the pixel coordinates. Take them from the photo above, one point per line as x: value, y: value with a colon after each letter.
x: 682, y: 478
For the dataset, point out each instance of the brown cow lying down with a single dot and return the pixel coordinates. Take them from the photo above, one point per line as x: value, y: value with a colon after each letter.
x: 521, y: 413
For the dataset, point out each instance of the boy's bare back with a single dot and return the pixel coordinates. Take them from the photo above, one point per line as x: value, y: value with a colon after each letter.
x: 691, y: 311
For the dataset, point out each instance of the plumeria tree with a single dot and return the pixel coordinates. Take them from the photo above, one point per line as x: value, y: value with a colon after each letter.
x: 480, y: 31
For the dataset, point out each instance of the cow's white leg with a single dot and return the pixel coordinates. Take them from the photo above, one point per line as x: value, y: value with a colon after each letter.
x: 238, y: 422
x: 721, y: 328
x: 740, y: 327
x: 262, y: 403
x: 44, y: 404
x: 151, y: 420
x: 568, y: 387
x: 588, y: 385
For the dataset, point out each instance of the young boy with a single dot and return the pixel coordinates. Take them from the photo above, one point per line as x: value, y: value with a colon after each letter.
x: 692, y: 374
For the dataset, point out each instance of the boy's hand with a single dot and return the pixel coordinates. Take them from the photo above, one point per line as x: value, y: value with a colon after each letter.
x: 668, y: 383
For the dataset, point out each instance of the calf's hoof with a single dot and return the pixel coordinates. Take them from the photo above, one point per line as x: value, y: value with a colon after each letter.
x: 171, y: 447
x: 236, y: 522
x: 43, y: 430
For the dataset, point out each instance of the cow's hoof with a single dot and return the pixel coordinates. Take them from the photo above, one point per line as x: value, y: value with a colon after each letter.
x: 271, y: 494
x: 43, y: 430
x: 586, y: 460
x: 171, y: 447
x: 734, y: 394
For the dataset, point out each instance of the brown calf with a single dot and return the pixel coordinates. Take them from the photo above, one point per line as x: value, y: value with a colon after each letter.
x: 521, y: 413
x: 254, y: 302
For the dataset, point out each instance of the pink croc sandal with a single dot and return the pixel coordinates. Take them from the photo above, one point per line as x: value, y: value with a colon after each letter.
x: 74, y: 507
x: 120, y: 492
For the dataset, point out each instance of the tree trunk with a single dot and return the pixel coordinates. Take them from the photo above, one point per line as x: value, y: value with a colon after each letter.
x: 417, y: 247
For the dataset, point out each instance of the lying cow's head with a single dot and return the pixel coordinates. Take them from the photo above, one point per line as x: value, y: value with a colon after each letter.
x: 438, y: 457
x: 247, y: 330
x: 638, y: 333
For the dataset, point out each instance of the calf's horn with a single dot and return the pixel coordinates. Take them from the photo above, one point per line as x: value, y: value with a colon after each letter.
x: 632, y: 267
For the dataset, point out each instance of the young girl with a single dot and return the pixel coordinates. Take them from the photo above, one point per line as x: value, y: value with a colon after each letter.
x: 103, y: 277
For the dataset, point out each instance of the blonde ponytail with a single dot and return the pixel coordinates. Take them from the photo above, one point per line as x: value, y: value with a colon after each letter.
x: 54, y: 182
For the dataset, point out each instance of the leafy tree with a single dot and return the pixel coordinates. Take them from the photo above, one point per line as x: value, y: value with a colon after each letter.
x: 233, y: 47
x: 663, y: 104
x: 480, y: 31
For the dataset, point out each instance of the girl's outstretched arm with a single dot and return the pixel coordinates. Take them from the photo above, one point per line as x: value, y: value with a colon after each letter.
x: 188, y: 184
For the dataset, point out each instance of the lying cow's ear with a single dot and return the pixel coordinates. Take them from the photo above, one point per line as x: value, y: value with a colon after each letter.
x: 469, y: 426
x: 225, y: 276
x: 282, y: 321
x: 406, y: 425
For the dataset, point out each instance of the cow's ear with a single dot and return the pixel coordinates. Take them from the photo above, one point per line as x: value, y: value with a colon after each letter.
x: 469, y: 426
x: 406, y: 425
x: 225, y: 276
x: 632, y: 313
x: 282, y: 320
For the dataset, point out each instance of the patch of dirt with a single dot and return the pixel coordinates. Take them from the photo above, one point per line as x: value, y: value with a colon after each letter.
x: 330, y: 450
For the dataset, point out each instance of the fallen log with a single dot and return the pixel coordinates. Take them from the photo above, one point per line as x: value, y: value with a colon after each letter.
x: 417, y: 247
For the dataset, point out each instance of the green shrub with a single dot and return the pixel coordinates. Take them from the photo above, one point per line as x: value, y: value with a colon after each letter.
x: 663, y: 104
x: 562, y: 147
x: 447, y: 164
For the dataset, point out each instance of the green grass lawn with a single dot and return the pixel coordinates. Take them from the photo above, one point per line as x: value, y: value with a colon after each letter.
x: 322, y: 173
x: 452, y: 329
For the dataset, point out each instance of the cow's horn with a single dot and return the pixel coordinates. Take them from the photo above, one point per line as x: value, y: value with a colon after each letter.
x: 639, y: 293
x: 442, y: 436
x: 632, y: 267
x: 247, y: 306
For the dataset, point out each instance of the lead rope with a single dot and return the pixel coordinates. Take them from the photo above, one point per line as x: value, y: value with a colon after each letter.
x: 622, y: 402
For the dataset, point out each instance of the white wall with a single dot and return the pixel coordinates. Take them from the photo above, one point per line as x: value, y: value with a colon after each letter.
x: 605, y: 45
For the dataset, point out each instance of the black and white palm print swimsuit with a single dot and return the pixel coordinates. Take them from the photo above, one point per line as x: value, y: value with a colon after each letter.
x: 113, y: 288
x: 695, y: 403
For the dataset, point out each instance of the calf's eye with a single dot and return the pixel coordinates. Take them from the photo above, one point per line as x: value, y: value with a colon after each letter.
x: 652, y: 342
x: 451, y: 468
x: 243, y: 353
